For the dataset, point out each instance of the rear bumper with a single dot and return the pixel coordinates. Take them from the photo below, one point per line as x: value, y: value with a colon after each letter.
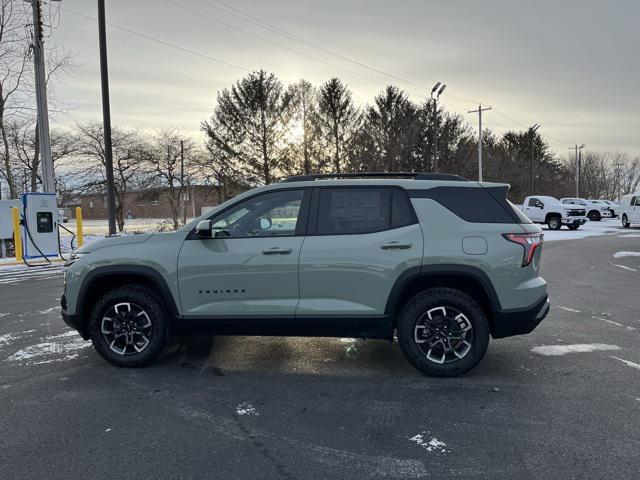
x: 507, y: 323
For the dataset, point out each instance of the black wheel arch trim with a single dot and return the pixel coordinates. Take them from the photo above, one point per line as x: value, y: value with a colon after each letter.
x: 147, y: 272
x: 413, y: 273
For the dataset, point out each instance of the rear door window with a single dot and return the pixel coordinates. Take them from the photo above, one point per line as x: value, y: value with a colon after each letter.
x: 344, y: 211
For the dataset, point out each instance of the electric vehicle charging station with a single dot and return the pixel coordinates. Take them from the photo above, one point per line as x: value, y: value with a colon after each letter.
x: 39, y: 225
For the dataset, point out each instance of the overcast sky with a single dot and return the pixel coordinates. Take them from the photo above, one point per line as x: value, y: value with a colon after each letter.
x: 571, y: 66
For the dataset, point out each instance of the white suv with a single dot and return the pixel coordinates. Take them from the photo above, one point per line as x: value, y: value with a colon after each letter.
x: 549, y: 210
x: 596, y: 209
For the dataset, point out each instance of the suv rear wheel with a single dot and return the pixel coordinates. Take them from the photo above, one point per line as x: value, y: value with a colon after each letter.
x: 128, y: 326
x: 443, y: 332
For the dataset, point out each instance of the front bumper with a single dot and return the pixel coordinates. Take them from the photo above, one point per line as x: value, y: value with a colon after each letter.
x: 574, y: 220
x: 73, y: 320
x: 507, y: 323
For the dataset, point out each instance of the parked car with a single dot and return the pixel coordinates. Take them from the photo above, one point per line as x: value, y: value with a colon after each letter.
x: 595, y: 211
x: 629, y: 209
x: 613, y: 207
x: 550, y: 211
x: 442, y: 262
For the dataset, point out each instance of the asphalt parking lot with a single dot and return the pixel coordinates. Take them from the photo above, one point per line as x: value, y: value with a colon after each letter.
x: 562, y: 402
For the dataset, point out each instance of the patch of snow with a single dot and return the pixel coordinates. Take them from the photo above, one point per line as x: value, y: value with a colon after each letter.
x: 626, y: 254
x: 569, y: 309
x: 589, y: 229
x: 608, y: 321
x: 555, y: 350
x: 246, y: 409
x: 9, y: 338
x: 627, y: 362
x: 630, y: 235
x: 49, y: 310
x: 66, y: 344
x: 429, y: 446
x: 624, y: 267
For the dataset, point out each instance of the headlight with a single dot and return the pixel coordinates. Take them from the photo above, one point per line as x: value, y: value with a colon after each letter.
x: 73, y: 257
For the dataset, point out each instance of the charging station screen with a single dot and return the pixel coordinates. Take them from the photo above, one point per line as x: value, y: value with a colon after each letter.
x: 45, y: 222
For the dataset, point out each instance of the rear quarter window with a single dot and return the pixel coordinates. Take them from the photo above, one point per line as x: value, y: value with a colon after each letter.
x: 475, y: 204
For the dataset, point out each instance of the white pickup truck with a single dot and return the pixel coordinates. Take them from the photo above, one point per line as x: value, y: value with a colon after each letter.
x: 629, y: 209
x: 549, y: 210
x: 596, y: 209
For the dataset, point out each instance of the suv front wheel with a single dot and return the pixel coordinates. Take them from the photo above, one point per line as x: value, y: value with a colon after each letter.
x: 128, y: 326
x: 443, y: 332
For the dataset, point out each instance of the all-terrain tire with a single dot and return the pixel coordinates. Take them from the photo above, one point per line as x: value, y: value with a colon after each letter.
x: 433, y: 298
x: 573, y: 227
x: 146, y: 299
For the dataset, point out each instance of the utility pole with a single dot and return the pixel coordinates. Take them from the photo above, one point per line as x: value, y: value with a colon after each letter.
x: 184, y: 202
x: 479, y: 112
x: 578, y: 151
x: 48, y: 179
x: 532, y: 132
x: 436, y: 91
x: 106, y: 119
x: 616, y: 187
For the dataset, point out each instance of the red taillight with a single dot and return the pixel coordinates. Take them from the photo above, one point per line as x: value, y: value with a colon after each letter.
x: 529, y: 241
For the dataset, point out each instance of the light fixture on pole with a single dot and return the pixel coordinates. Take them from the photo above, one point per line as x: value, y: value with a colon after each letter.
x: 436, y: 91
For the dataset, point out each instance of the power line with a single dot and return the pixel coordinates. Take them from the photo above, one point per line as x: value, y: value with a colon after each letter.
x: 157, y: 40
x: 235, y: 12
x: 297, y: 52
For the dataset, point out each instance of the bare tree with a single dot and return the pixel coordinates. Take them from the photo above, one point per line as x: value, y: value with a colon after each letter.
x: 87, y: 168
x: 14, y: 55
x: 169, y: 161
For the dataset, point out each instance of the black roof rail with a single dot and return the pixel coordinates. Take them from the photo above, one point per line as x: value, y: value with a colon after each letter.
x: 413, y: 175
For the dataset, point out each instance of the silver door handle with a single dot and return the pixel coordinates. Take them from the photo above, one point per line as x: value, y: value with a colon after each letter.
x: 396, y: 246
x: 277, y: 251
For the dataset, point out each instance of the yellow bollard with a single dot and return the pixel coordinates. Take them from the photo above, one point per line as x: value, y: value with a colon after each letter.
x: 17, y: 238
x: 79, y: 226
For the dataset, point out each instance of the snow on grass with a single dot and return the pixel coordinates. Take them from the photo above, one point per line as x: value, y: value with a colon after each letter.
x: 67, y: 344
x: 557, y: 350
x: 430, y: 445
x: 626, y: 254
x: 627, y: 362
x: 246, y: 408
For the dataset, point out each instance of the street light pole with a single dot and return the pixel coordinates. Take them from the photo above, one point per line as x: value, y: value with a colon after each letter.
x: 106, y: 119
x: 532, y: 132
x: 436, y: 91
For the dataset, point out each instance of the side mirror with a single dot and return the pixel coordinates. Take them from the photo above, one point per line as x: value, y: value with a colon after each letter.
x: 203, y: 229
x: 264, y: 223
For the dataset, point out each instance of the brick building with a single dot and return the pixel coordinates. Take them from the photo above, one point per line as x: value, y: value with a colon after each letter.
x: 154, y: 202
